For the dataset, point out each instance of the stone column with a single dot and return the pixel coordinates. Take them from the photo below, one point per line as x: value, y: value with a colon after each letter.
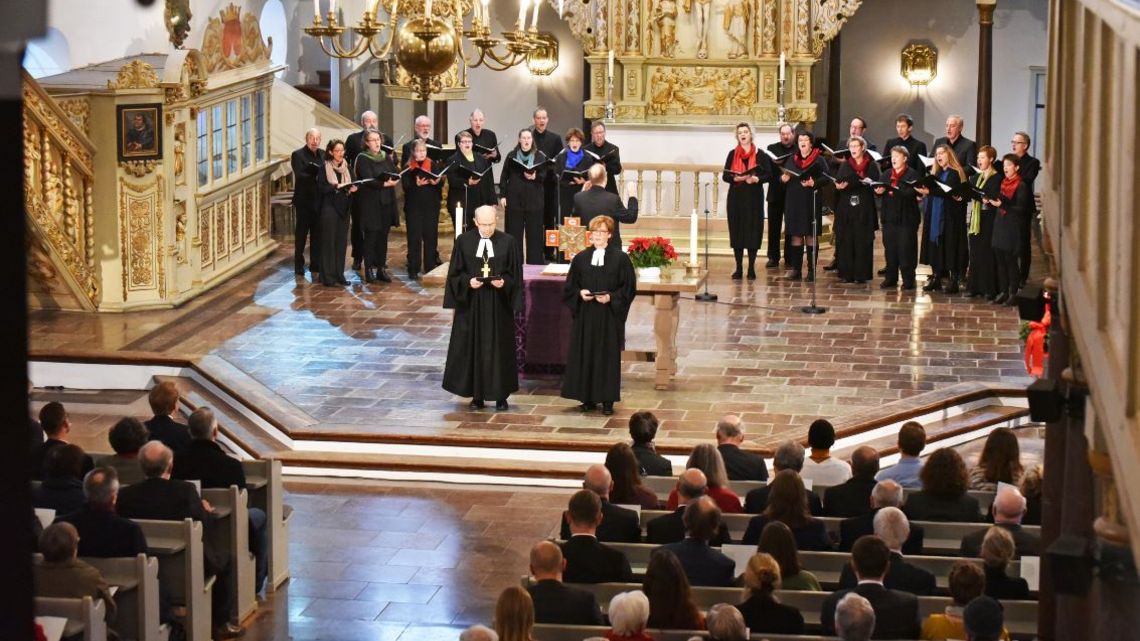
x: 834, y: 96
x: 985, y: 69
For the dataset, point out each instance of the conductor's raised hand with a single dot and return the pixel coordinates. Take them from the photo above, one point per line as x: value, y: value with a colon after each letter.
x: 585, y: 294
x: 475, y: 283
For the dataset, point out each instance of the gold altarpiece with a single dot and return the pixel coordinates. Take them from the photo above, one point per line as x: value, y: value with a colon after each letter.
x: 704, y: 61
x: 115, y: 233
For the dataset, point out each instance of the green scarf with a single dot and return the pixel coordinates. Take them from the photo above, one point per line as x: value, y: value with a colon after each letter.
x: 374, y: 157
x: 976, y: 206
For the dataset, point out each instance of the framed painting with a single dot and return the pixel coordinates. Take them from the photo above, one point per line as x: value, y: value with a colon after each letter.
x: 139, y: 130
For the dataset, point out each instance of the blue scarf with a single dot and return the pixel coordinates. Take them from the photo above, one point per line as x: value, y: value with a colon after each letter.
x: 936, y: 211
x: 573, y: 158
x: 526, y: 159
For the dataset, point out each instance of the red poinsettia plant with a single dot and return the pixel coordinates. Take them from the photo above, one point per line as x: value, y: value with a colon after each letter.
x: 651, y: 252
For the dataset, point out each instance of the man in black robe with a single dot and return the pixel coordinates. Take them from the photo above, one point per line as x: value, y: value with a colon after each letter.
x: 965, y: 150
x: 1027, y: 167
x: 597, y: 201
x: 484, y: 141
x: 308, y: 164
x: 422, y: 129
x: 549, y: 143
x: 785, y: 147
x: 481, y: 355
x: 353, y: 145
x: 605, y: 152
x: 858, y: 127
x: 915, y: 147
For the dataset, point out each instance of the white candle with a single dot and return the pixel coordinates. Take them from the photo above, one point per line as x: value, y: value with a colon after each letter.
x: 610, y: 67
x: 372, y: 7
x: 458, y: 219
x: 522, y: 15
x: 534, y: 18
x: 317, y: 9
x: 781, y: 66
x: 486, y: 13
x: 693, y: 238
x: 560, y: 6
x: 332, y: 6
x: 427, y: 8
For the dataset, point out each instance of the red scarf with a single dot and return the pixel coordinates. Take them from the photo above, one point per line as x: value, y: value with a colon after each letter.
x: 804, y: 163
x: 742, y: 161
x: 425, y: 165
x: 860, y: 167
x: 896, y: 176
x: 1009, y: 188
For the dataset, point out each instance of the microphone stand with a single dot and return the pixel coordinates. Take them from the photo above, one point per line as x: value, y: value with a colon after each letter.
x: 705, y: 296
x: 813, y: 308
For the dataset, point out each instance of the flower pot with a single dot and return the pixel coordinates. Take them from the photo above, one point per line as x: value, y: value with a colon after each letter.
x: 649, y: 273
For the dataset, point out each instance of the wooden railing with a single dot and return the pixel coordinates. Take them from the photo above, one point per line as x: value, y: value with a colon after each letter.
x: 671, y: 190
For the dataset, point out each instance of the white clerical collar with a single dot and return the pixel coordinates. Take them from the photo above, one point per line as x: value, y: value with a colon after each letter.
x: 599, y: 258
x: 485, y: 246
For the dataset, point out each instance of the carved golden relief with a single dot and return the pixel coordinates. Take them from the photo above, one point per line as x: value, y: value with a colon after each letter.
x: 180, y: 154
x: 233, y: 40
x: 235, y: 221
x: 220, y: 248
x: 830, y: 17
x: 78, y: 110
x: 768, y: 27
x: 803, y: 20
x: 205, y: 216
x: 191, y: 81
x: 250, y: 226
x: 702, y: 91
x: 136, y: 74
x: 177, y: 19
x: 139, y: 168
x: 56, y: 125
x: 141, y: 236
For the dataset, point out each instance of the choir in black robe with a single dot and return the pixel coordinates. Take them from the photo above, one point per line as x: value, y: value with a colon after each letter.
x: 609, y: 154
x: 912, y: 145
x: 406, y: 150
x: 353, y: 145
x: 566, y: 185
x: 1027, y: 167
x: 308, y: 172
x: 1007, y: 244
x: 525, y: 200
x: 855, y: 211
x: 776, y: 193
x: 486, y: 139
x: 798, y: 200
x: 593, y: 363
x: 950, y: 254
x: 460, y: 192
x: 375, y: 207
x: 964, y: 149
x: 746, y: 204
x: 421, y: 213
x: 481, y: 354
x: 900, y: 229
x: 333, y: 237
x: 549, y: 143
x: 982, y: 280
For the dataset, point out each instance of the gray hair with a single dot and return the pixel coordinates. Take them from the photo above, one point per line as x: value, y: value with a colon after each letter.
x: 478, y: 632
x: 892, y: 526
x: 422, y: 118
x: 312, y: 132
x: 956, y: 118
x: 1009, y: 506
x: 598, y: 480
x: 706, y: 458
x: 101, y: 485
x: 368, y: 114
x: 629, y: 612
x: 854, y: 618
x: 727, y: 427
x: 859, y: 139
x: 789, y: 456
x: 887, y: 493
x: 201, y: 424
x: 477, y: 110
x: 726, y: 623
x: 154, y: 459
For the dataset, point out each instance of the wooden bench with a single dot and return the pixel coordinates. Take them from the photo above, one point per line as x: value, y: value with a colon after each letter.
x: 137, y: 595
x: 84, y: 616
x: 178, y: 546
x: 266, y: 491
x: 552, y: 632
x: 229, y: 531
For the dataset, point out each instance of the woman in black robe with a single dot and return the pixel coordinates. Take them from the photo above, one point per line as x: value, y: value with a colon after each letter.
x: 375, y: 204
x: 944, y: 244
x: 570, y: 166
x: 855, y: 207
x: 1015, y: 202
x: 900, y: 221
x: 745, y: 171
x: 802, y: 207
x: 335, y: 185
x: 422, y: 194
x: 523, y: 196
x: 469, y: 181
x: 599, y: 290
x: 982, y: 279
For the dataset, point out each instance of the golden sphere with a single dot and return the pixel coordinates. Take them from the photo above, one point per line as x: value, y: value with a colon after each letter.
x: 426, y: 56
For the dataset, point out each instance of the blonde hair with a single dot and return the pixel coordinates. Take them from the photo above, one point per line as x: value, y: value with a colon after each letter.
x: 761, y: 575
x: 514, y: 615
x: 997, y: 548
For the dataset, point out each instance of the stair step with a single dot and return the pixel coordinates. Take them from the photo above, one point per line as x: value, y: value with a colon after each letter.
x: 968, y: 421
x: 430, y: 464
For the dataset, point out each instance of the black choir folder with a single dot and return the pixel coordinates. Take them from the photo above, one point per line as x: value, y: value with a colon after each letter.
x: 485, y: 150
x: 471, y: 172
x: 875, y: 184
x: 776, y: 158
x: 812, y: 171
x: 427, y: 173
x: 931, y: 182
x: 966, y: 190
x: 534, y: 165
x: 747, y: 172
x: 603, y: 156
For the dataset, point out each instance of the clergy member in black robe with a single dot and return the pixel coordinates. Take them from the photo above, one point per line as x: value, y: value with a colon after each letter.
x: 481, y: 355
x: 570, y: 166
x: 745, y: 170
x: 422, y: 195
x: 982, y: 280
x: 855, y: 207
x: 469, y: 181
x: 914, y: 147
x: 900, y: 221
x: 522, y: 196
x: 944, y: 244
x: 604, y: 151
x: 599, y: 289
x: 803, y: 210
x: 784, y: 149
x: 375, y: 205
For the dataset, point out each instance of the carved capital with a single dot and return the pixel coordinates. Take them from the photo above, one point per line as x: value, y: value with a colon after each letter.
x: 136, y: 74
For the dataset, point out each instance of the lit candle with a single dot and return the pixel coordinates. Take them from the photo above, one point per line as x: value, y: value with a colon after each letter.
x: 534, y: 18
x: 372, y: 7
x: 332, y: 6
x: 560, y: 6
x: 693, y: 238
x: 781, y: 66
x: 458, y: 219
x: 610, y: 67
x: 317, y: 9
x: 427, y: 8
x: 487, y: 13
x: 522, y: 15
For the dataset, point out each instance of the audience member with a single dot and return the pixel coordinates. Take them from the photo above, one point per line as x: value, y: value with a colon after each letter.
x: 626, y: 472
x: 1000, y: 462
x: 911, y: 442
x: 126, y: 437
x: 62, y: 575
x: 36, y: 434
x: 162, y: 498
x: 740, y: 465
x: 56, y: 426
x: 997, y: 551
x: 671, y: 527
x: 514, y: 615
x: 893, y: 528
x: 787, y: 503
x: 854, y: 618
x: 706, y: 458
x: 1031, y: 489
x: 789, y: 456
x: 618, y: 524
x: 763, y: 613
x: 983, y: 620
x: 886, y: 493
x: 821, y: 468
x: 478, y: 632
x: 62, y: 487
x: 587, y: 560
x: 629, y: 614
x: 943, y: 496
x: 671, y: 604
x: 643, y: 429
x: 726, y: 623
x: 163, y: 399
x: 896, y: 612
x: 1008, y: 509
x: 554, y: 601
x: 777, y: 540
x: 204, y: 460
x: 102, y: 532
x: 967, y: 582
x: 703, y: 565
x: 853, y: 496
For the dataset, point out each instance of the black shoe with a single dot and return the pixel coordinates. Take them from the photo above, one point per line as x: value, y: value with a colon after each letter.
x: 810, y: 277
x: 933, y: 286
x: 501, y: 405
x: 737, y: 275
x: 383, y: 276
x: 831, y: 267
x: 849, y: 281
x: 228, y: 631
x: 952, y: 288
x: 772, y: 263
x: 908, y: 287
x: 356, y: 265
x: 882, y: 272
x: 888, y: 285
x: 793, y: 275
x: 607, y: 409
x: 751, y: 274
x: 1012, y: 300
x: 999, y: 299
x: 587, y: 407
x: 475, y: 404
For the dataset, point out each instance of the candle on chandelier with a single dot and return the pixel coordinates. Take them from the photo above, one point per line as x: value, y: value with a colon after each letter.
x: 487, y: 13
x: 610, y: 66
x: 522, y: 15
x: 372, y: 6
x: 317, y: 9
x: 332, y: 6
x: 427, y: 8
x: 560, y: 6
x: 693, y: 238
x: 534, y: 18
x: 781, y: 66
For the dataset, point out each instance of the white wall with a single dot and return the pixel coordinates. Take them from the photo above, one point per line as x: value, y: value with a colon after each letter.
x: 873, y: 88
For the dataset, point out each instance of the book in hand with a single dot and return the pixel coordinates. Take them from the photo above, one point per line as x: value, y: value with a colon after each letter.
x: 485, y: 150
x: 487, y: 279
x: 435, y: 152
x: 966, y: 190
x: 388, y: 175
x: 601, y: 293
x: 391, y: 149
x: 427, y: 173
x: 568, y: 175
x: 812, y: 172
x: 602, y: 156
x: 356, y: 183
x: 472, y: 172
x: 927, y: 161
x: 747, y: 172
x: 776, y: 158
x: 875, y: 184
x: 537, y: 162
x: 845, y: 153
x: 931, y: 182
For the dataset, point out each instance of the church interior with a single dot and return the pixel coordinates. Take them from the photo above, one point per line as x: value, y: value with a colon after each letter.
x: 157, y: 149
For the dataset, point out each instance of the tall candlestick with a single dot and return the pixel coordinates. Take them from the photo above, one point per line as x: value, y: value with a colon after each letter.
x: 693, y: 238
x: 522, y: 14
x: 458, y: 219
x: 534, y: 18
x: 610, y: 66
x: 781, y: 66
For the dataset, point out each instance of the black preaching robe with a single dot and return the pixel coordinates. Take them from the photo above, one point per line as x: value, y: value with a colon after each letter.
x: 609, y: 154
x: 470, y: 196
x: 481, y: 355
x: 855, y: 213
x: 593, y: 364
x: 746, y: 204
x: 798, y: 200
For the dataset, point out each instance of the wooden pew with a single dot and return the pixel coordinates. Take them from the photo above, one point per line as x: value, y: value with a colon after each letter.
x: 229, y: 531
x: 266, y: 491
x: 552, y: 632
x: 137, y: 596
x: 178, y: 546
x: 84, y: 616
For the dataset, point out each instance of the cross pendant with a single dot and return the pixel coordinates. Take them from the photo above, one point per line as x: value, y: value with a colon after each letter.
x: 486, y: 268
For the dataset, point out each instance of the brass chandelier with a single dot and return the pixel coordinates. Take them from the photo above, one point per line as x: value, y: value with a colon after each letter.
x: 427, y: 41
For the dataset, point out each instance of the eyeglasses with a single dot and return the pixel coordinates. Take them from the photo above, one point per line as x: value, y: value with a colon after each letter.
x: 1018, y: 142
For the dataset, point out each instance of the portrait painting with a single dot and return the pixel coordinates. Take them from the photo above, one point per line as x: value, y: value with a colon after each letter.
x: 140, y: 132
